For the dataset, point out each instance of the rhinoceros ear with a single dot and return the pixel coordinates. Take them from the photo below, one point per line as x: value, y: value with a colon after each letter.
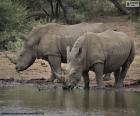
x: 79, y: 48
x: 23, y: 36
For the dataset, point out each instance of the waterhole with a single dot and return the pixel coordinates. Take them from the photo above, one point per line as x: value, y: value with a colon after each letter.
x: 28, y: 100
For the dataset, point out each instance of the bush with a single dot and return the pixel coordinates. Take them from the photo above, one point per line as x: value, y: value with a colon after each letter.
x: 12, y: 21
x: 82, y: 10
x: 77, y: 10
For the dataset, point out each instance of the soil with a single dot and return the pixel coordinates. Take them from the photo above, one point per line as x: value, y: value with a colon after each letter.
x: 40, y: 71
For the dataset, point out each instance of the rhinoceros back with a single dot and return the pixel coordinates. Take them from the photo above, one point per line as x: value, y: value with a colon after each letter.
x: 109, y: 47
x: 54, y: 38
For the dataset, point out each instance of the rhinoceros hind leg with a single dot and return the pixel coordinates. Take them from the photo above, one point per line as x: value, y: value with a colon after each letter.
x: 117, y: 76
x: 98, y: 68
x: 86, y: 80
x: 123, y: 74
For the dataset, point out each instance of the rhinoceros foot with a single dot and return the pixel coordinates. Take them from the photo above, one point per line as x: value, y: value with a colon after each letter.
x: 118, y: 85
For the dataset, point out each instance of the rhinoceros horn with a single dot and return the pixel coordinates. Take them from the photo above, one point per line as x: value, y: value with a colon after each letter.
x: 23, y: 36
x: 12, y: 60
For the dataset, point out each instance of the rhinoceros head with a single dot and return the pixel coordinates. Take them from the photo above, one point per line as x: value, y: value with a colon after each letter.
x: 26, y: 56
x: 75, y: 61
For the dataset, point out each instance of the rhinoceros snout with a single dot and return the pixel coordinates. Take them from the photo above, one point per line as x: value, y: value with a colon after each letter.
x: 19, y: 68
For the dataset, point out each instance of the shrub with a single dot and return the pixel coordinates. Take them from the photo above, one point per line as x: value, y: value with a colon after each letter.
x: 12, y: 21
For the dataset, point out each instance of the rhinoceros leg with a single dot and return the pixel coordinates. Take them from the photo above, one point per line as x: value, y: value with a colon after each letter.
x: 122, y: 75
x: 98, y: 69
x: 55, y: 64
x: 86, y: 80
x: 107, y: 77
x: 117, y: 76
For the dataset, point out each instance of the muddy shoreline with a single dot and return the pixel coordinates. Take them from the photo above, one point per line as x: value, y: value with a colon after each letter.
x: 39, y: 72
x: 42, y: 84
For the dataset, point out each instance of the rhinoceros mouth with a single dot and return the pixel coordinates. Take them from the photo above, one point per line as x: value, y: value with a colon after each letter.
x: 18, y: 69
x: 22, y: 68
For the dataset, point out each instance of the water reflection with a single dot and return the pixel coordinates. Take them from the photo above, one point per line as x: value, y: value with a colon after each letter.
x: 104, y: 102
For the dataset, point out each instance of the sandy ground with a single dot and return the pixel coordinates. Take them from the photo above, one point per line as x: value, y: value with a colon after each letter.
x: 40, y: 70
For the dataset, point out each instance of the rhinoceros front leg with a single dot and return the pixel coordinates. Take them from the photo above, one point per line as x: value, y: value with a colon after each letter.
x: 55, y: 64
x: 86, y: 80
x: 98, y: 69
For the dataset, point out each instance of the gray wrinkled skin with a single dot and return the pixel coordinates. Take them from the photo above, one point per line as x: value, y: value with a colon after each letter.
x: 102, y: 53
x: 25, y: 58
x: 49, y: 42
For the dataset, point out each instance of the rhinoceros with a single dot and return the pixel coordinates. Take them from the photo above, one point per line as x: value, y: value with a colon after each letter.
x: 49, y: 42
x: 102, y: 53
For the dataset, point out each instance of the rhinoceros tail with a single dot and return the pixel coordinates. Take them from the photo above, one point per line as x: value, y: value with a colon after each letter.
x: 131, y: 55
x: 132, y: 52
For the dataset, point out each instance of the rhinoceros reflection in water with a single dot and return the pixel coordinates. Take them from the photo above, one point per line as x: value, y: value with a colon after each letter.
x: 103, y: 102
x: 49, y: 42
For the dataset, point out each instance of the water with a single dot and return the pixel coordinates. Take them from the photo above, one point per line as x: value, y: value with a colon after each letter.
x: 27, y: 100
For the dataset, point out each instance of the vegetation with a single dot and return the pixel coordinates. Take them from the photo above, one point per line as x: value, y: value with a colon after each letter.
x: 12, y: 21
x: 21, y: 15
